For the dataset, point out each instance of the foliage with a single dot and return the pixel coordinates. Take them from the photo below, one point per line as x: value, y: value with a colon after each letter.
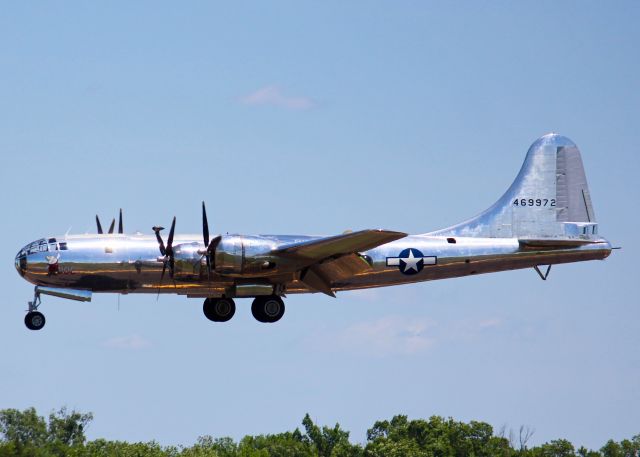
x: 26, y: 434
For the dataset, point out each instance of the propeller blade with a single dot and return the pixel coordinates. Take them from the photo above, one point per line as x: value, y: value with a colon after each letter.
x: 164, y: 269
x: 99, y: 225
x: 157, y: 231
x: 211, y: 254
x: 120, y: 230
x: 205, y: 226
x: 112, y: 226
x: 211, y: 249
x: 169, y: 247
x: 172, y: 265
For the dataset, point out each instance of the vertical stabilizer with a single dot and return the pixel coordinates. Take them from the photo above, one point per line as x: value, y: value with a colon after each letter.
x: 548, y: 199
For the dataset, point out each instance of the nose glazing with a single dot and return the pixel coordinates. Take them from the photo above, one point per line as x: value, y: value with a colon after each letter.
x: 21, y: 263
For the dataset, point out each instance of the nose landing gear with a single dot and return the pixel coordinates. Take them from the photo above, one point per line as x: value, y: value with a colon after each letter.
x: 34, y: 320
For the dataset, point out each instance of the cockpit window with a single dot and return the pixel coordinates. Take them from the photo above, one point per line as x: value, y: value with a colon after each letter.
x: 52, y: 241
x: 63, y: 246
x: 36, y: 246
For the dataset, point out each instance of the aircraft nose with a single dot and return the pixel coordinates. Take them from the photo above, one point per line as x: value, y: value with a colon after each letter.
x: 21, y: 263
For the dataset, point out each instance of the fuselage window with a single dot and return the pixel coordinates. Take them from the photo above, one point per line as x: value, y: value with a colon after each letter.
x: 63, y: 246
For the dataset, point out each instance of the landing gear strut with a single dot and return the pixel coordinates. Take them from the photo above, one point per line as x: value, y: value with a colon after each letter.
x: 34, y: 320
x: 267, y: 309
x: 219, y: 309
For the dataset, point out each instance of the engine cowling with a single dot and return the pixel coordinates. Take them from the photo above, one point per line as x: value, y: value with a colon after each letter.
x: 229, y: 256
x: 244, y: 255
x: 188, y: 260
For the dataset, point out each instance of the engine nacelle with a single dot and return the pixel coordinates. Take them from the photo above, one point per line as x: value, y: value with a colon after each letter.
x: 244, y: 255
x: 188, y: 260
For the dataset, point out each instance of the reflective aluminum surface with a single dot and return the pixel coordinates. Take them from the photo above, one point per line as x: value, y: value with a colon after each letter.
x: 129, y: 264
x: 545, y: 217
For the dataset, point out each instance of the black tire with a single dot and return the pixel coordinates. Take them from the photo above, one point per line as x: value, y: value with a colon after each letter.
x: 268, y: 309
x: 34, y: 320
x: 219, y: 309
x: 256, y: 309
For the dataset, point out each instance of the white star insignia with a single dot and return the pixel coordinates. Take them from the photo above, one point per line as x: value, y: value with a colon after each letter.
x: 411, y: 262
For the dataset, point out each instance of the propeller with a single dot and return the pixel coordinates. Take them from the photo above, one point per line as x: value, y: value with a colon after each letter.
x: 112, y: 226
x: 166, y: 251
x: 210, y: 246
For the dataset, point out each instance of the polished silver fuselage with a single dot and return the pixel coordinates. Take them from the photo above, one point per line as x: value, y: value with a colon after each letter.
x: 545, y: 217
x: 244, y: 266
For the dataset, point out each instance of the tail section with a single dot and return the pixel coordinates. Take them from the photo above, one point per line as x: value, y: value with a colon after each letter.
x: 548, y: 199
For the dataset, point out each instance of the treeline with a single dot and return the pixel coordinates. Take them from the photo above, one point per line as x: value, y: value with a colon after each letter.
x: 25, y: 433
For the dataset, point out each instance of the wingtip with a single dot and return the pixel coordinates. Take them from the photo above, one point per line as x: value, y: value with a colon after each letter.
x: 395, y: 234
x: 390, y: 232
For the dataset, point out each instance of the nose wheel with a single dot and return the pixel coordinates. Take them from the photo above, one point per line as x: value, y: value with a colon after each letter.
x: 34, y: 320
x: 267, y: 309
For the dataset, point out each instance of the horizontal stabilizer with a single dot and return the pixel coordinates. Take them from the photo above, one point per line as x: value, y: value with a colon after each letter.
x: 335, y: 246
x: 549, y: 243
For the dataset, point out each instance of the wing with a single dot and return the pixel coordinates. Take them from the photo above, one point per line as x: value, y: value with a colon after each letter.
x: 325, y: 260
x: 321, y: 249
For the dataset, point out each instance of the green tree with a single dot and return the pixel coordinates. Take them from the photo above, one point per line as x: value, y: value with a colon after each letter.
x: 68, y: 427
x: 631, y: 448
x: 555, y: 448
x: 436, y: 437
x: 329, y: 441
x: 104, y: 448
x: 584, y: 452
x: 25, y: 434
x: 612, y: 449
x: 23, y: 428
x: 288, y: 444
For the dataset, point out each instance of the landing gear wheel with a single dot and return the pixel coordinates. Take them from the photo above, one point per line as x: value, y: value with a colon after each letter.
x: 219, y: 309
x: 34, y: 320
x: 267, y: 309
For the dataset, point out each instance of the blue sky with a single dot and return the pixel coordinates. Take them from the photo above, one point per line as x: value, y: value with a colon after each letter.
x: 314, y: 118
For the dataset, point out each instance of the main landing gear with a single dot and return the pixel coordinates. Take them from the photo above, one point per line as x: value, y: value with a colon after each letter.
x: 219, y: 309
x: 267, y: 309
x: 34, y: 320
